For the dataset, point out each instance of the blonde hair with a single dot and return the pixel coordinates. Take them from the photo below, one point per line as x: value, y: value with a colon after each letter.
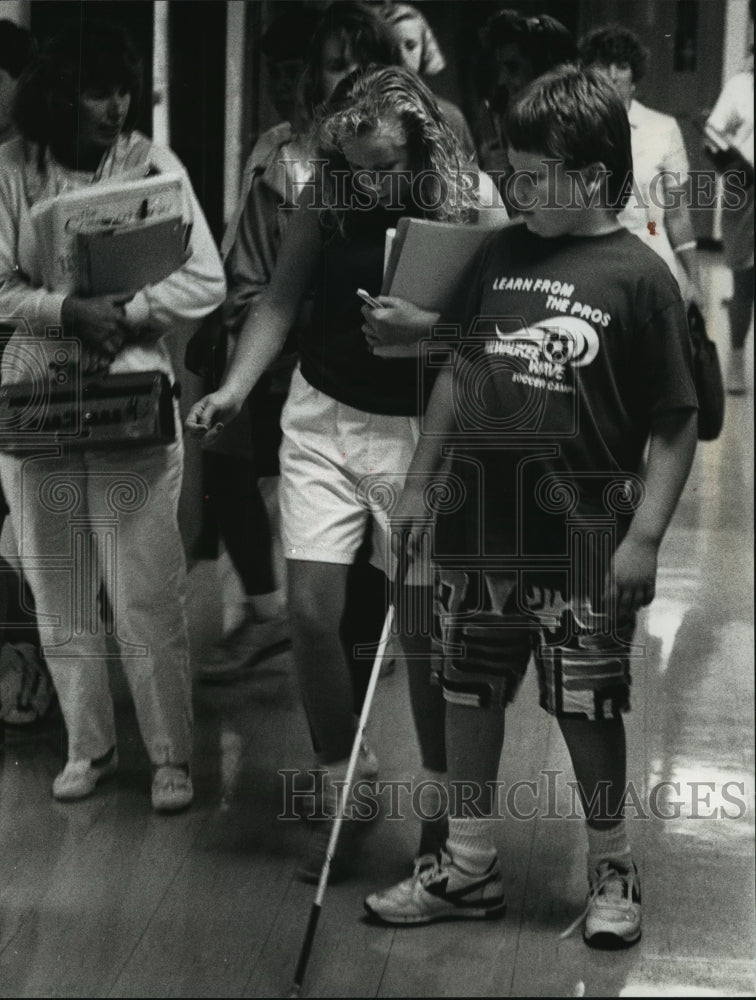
x: 431, y: 60
x: 369, y: 99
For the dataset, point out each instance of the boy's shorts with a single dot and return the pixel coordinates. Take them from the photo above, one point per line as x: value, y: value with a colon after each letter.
x: 491, y: 623
x: 339, y: 467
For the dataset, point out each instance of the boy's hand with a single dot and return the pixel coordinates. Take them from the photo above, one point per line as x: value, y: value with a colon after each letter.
x: 209, y: 415
x: 397, y: 323
x: 632, y: 583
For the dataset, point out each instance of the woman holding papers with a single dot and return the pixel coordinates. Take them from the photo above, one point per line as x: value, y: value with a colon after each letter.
x: 350, y: 424
x: 100, y: 526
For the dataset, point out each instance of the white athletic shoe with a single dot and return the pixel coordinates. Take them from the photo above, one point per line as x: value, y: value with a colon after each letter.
x: 439, y: 890
x: 79, y: 778
x: 612, y: 916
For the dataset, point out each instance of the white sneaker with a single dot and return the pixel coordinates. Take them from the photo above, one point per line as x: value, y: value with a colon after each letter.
x: 79, y: 778
x: 439, y: 890
x: 612, y: 916
x: 171, y: 789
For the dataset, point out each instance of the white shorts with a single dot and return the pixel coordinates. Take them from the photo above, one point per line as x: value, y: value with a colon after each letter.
x: 339, y: 467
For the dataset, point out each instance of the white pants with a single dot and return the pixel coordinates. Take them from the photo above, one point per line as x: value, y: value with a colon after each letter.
x: 96, y: 522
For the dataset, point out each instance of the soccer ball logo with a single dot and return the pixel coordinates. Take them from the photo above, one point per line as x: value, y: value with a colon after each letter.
x: 558, y: 346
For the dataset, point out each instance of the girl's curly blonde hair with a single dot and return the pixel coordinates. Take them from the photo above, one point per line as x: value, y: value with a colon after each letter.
x: 444, y: 178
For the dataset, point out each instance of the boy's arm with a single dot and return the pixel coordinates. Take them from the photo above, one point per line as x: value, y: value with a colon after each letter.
x: 671, y: 449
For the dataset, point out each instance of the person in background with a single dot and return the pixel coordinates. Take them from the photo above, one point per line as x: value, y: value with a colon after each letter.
x: 730, y: 128
x: 350, y: 413
x: 657, y: 213
x: 246, y: 453
x: 27, y: 695
x: 421, y: 53
x: 75, y: 111
x: 17, y: 49
x: 518, y: 49
x: 345, y: 37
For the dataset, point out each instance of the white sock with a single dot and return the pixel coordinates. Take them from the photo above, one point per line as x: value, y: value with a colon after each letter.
x: 608, y: 844
x: 471, y: 843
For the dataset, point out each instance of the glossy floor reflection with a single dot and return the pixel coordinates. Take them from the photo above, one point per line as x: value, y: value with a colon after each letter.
x: 104, y: 898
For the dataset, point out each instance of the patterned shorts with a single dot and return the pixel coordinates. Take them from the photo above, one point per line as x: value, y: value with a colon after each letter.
x: 491, y: 622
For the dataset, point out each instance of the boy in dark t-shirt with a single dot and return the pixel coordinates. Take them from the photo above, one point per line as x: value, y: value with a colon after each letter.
x: 574, y: 357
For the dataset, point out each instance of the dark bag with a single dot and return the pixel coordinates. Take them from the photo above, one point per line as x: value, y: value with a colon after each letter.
x: 128, y: 410
x: 707, y: 374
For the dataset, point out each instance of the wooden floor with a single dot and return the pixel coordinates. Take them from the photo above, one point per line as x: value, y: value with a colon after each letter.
x: 103, y: 898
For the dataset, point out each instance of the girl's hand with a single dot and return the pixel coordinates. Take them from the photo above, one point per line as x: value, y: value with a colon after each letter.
x: 209, y: 415
x: 410, y: 523
x: 100, y: 322
x: 397, y: 323
x: 632, y: 584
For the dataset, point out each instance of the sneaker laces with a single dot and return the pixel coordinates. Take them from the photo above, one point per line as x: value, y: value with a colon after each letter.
x: 427, y: 868
x: 611, y: 884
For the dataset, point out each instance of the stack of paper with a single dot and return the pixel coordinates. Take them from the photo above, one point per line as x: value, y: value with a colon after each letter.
x: 76, y: 234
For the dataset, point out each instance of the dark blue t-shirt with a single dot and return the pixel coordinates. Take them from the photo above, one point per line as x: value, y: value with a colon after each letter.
x: 569, y: 347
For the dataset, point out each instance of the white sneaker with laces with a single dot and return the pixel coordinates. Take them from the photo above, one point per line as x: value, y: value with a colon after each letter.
x: 612, y: 916
x: 439, y: 890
